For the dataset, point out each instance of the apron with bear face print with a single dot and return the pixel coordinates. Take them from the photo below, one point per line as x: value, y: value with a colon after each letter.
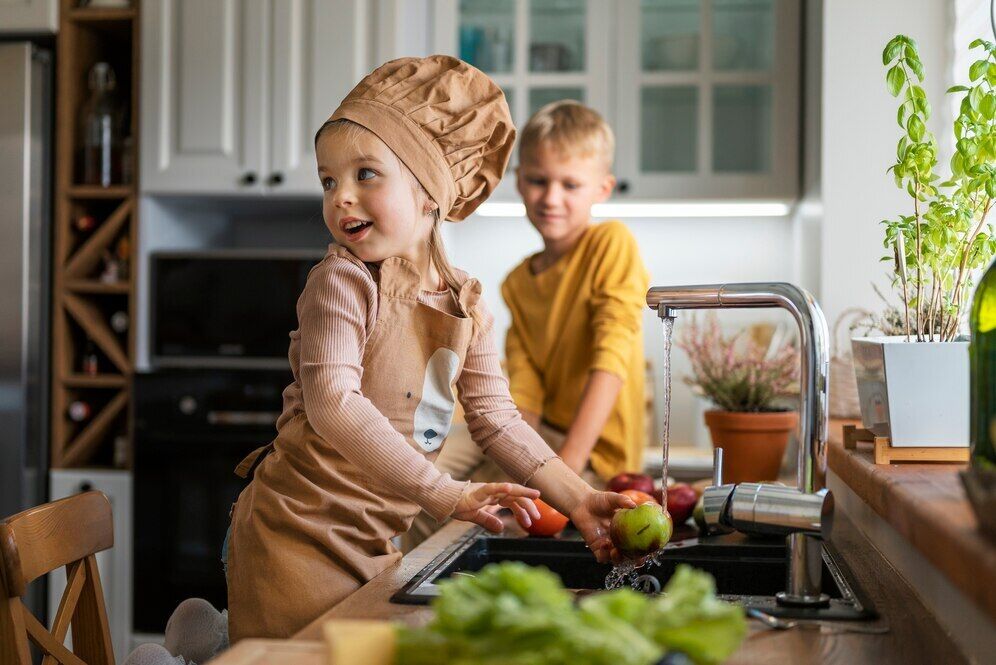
x: 312, y: 527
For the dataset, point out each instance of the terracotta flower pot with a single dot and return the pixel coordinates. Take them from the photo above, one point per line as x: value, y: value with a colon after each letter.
x: 753, y: 443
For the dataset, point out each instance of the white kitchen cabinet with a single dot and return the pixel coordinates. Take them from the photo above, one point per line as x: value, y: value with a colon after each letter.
x: 28, y: 16
x: 233, y: 91
x: 115, y: 564
x: 707, y: 98
x: 537, y: 51
x: 702, y: 94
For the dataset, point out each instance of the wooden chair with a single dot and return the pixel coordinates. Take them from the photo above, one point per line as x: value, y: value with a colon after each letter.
x: 37, y: 541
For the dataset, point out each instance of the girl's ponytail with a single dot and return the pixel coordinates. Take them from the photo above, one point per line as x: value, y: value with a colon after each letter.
x: 437, y: 254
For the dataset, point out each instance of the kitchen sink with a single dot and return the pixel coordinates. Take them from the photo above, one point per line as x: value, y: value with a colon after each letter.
x: 748, y: 570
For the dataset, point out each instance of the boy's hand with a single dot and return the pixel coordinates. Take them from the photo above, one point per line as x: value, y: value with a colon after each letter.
x: 476, y: 497
x: 593, y: 517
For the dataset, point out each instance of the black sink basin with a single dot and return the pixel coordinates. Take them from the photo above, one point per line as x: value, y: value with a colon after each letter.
x: 749, y: 571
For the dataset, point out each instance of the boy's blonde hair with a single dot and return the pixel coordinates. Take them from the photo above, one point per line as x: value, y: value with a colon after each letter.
x: 437, y: 253
x: 571, y: 129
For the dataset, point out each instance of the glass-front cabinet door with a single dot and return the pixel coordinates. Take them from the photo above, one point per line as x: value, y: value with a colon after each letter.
x: 538, y: 51
x: 706, y: 102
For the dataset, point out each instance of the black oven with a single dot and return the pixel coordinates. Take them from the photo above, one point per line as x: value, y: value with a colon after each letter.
x: 192, y: 427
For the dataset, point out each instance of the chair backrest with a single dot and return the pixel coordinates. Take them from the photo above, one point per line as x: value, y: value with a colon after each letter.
x: 37, y: 541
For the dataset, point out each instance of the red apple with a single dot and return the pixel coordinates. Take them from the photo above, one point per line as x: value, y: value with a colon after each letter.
x: 681, y: 500
x: 639, y: 497
x: 631, y: 481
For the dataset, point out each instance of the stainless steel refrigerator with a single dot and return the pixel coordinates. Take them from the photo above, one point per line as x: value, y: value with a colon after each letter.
x: 25, y: 262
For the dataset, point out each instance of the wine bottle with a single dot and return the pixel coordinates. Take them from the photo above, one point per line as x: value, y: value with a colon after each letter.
x: 79, y: 411
x: 119, y: 322
x: 982, y: 363
x: 91, y: 363
x: 85, y: 223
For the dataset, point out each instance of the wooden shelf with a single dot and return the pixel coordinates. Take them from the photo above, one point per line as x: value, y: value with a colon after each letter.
x: 88, y: 35
x: 97, y: 192
x: 96, y: 286
x: 100, y: 14
x: 926, y: 504
x: 98, y: 381
x: 80, y: 449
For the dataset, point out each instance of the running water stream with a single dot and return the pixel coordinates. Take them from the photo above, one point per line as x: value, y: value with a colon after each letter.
x: 627, y: 572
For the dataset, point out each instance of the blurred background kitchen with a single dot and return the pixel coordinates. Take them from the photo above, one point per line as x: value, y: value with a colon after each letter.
x: 157, y: 186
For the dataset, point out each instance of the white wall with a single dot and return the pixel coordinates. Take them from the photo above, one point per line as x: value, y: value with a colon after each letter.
x: 860, y: 135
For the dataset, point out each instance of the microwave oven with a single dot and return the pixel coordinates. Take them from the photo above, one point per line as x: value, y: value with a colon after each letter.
x: 225, y: 308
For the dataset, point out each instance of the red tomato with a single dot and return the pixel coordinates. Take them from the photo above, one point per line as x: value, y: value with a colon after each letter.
x: 639, y: 497
x: 550, y: 522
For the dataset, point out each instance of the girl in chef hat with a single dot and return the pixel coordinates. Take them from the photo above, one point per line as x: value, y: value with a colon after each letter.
x: 388, y: 331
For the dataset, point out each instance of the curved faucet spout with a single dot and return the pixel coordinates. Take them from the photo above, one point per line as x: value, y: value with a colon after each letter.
x: 814, y: 351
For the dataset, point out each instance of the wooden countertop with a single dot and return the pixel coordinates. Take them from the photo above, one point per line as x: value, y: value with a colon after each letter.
x: 926, y: 503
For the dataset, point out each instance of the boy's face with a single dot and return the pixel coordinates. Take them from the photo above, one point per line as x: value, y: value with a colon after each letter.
x: 369, y: 204
x: 559, y: 190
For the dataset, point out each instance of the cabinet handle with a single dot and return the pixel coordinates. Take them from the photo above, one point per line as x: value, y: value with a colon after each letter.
x: 275, y: 178
x: 622, y: 186
x: 249, y: 178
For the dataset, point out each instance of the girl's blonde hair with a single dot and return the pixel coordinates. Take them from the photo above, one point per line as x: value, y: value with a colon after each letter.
x: 351, y: 131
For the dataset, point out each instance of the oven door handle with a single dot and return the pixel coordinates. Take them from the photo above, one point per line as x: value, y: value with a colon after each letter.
x: 242, y: 417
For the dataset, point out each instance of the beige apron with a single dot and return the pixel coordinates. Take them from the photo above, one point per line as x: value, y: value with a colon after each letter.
x: 311, y: 527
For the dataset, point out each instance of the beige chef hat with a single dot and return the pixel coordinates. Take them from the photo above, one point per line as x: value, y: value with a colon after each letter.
x: 446, y: 120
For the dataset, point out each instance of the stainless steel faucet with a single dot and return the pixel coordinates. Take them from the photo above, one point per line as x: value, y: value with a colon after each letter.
x: 805, y: 513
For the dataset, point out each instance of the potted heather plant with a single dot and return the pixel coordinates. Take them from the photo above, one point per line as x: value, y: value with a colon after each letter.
x: 744, y: 381
x: 913, y: 387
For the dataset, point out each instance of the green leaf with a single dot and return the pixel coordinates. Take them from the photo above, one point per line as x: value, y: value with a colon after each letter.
x: 916, y: 66
x: 892, y: 49
x: 915, y: 127
x: 958, y: 88
x: 988, y: 106
x: 687, y: 617
x: 895, y: 79
x: 977, y: 69
x: 901, y: 115
x: 975, y: 98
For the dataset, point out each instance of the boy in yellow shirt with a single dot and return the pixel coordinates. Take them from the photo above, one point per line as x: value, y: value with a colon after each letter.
x: 574, y: 351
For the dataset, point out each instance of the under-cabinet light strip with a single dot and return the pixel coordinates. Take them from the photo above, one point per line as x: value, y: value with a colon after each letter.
x: 634, y: 209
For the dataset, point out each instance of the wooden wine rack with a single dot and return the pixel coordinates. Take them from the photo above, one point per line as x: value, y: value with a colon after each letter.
x: 82, y: 302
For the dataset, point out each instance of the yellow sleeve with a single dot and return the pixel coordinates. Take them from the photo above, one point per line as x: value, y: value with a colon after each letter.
x: 618, y: 299
x: 525, y: 382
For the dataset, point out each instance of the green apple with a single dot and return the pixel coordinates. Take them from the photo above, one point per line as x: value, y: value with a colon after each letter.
x: 641, y: 530
x: 699, y: 515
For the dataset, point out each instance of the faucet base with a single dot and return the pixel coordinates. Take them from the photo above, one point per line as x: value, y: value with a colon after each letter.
x: 786, y: 599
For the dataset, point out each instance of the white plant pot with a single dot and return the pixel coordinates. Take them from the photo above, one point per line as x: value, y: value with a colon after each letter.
x: 915, y: 393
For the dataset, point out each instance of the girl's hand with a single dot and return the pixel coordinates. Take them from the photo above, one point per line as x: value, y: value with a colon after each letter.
x: 593, y: 517
x: 476, y: 497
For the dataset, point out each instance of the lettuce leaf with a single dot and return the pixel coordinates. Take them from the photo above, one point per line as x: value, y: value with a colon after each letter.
x: 688, y: 617
x: 513, y: 614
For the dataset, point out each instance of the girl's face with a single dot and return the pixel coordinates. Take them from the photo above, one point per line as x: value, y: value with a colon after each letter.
x: 370, y: 205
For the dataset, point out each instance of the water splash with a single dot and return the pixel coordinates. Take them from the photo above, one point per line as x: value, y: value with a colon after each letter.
x: 627, y: 572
